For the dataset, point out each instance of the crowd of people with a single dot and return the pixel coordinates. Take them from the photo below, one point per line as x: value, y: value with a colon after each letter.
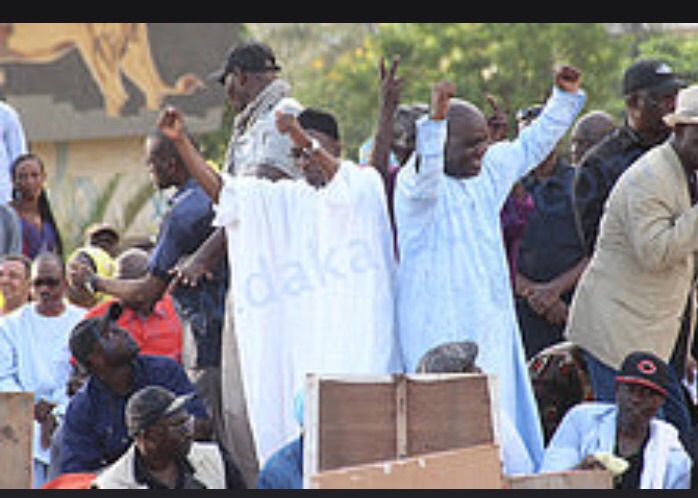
x: 181, y: 365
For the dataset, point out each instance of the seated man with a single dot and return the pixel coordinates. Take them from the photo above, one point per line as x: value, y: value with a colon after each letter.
x: 628, y: 429
x: 94, y: 433
x: 164, y: 455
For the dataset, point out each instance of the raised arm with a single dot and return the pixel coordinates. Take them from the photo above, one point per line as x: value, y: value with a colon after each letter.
x: 171, y: 124
x: 391, y: 90
x: 288, y: 125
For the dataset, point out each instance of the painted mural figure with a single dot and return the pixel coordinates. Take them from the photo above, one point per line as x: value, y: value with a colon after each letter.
x: 109, y: 50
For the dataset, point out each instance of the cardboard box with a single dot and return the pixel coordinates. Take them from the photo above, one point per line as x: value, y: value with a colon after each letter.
x: 16, y: 433
x: 471, y: 468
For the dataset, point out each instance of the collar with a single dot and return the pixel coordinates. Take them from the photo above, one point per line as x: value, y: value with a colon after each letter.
x: 185, y: 473
x: 189, y: 185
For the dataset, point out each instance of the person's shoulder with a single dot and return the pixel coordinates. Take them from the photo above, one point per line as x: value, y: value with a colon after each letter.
x: 288, y: 105
x: 158, y: 363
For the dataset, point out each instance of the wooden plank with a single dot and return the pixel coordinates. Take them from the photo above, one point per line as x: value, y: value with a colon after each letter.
x: 16, y: 432
x: 356, y: 421
x: 470, y: 468
x: 585, y: 480
x: 449, y: 413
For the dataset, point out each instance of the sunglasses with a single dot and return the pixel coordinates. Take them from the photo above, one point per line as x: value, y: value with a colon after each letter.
x: 46, y: 282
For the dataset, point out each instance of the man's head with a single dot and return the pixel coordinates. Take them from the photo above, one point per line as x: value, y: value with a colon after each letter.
x: 590, y: 130
x: 324, y: 128
x: 49, y: 284
x: 15, y: 281
x: 405, y: 130
x: 468, y: 140
x: 684, y: 122
x: 450, y: 358
x: 650, y: 88
x: 159, y: 423
x: 104, y: 236
x: 99, y: 345
x: 642, y: 387
x: 249, y: 69
x: 165, y: 165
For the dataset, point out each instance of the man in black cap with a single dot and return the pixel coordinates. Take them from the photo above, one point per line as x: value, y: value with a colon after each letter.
x: 164, y: 454
x: 250, y: 75
x: 94, y: 432
x: 650, y: 88
x: 626, y: 437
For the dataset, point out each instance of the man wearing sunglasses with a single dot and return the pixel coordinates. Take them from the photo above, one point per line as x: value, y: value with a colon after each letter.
x: 34, y: 353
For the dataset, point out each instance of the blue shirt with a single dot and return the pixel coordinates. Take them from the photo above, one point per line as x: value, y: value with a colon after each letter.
x: 95, y: 434
x: 284, y: 470
x: 184, y: 229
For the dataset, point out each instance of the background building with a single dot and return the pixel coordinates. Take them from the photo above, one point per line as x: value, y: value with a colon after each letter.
x: 89, y: 92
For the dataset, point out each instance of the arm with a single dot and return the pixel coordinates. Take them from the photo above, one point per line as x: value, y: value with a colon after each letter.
x: 15, y: 139
x: 8, y: 363
x: 391, y: 90
x: 657, y: 237
x: 511, y: 161
x: 289, y: 125
x: 145, y: 292
x: 171, y: 124
x: 190, y: 271
x: 419, y: 182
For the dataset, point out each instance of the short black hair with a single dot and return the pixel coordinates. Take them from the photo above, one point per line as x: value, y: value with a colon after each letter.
x: 87, y: 333
x: 314, y: 119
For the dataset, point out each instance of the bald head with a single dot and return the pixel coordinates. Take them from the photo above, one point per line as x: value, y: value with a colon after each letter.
x: 468, y: 140
x: 589, y: 131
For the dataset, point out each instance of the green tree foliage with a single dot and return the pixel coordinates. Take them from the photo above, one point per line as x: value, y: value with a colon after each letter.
x: 511, y: 61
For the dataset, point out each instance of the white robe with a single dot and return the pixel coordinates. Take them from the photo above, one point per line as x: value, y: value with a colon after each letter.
x: 35, y: 357
x: 454, y: 281
x: 313, y: 277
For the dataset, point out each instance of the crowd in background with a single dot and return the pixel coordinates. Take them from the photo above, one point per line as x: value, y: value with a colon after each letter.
x: 568, y: 271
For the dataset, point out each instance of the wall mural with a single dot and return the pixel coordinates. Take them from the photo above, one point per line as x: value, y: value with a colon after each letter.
x: 103, y: 79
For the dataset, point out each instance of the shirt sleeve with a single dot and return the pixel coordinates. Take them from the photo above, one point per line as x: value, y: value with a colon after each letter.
x: 8, y: 363
x: 564, y: 450
x: 79, y: 451
x: 419, y: 183
x: 508, y: 162
x: 14, y: 137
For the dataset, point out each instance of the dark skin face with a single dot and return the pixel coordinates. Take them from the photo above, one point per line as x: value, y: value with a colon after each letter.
x: 685, y: 143
x: 646, y: 112
x: 468, y: 140
x: 162, y: 444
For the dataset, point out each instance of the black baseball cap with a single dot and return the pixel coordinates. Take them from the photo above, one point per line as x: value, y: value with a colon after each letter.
x: 250, y: 57
x: 147, y: 406
x: 645, y: 369
x: 647, y: 74
x: 88, y: 332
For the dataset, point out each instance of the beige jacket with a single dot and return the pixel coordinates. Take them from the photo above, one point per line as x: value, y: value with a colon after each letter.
x: 206, y: 460
x: 634, y: 293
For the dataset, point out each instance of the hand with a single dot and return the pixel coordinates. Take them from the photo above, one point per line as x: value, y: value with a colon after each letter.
x: 590, y: 463
x: 558, y: 313
x: 189, y: 273
x: 441, y: 96
x: 79, y: 274
x: 171, y: 124
x: 497, y: 122
x: 568, y: 79
x: 287, y: 123
x: 391, y: 85
x: 42, y: 410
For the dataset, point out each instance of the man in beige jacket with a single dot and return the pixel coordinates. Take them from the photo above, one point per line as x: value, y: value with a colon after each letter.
x: 638, y: 292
